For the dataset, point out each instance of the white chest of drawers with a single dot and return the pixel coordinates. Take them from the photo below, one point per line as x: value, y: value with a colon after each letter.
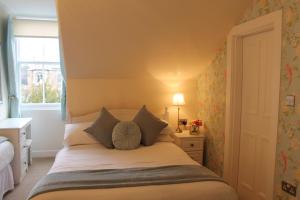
x: 18, y: 131
x: 193, y: 145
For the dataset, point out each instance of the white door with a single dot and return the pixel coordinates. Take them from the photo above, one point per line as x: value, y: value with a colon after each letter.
x: 258, y: 118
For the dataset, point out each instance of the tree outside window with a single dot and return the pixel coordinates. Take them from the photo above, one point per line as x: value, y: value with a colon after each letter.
x: 39, y: 64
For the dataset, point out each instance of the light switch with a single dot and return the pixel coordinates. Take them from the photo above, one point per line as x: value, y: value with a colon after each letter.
x: 290, y: 100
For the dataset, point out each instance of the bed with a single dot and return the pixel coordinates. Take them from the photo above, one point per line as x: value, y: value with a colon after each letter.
x: 6, y: 176
x: 95, y: 156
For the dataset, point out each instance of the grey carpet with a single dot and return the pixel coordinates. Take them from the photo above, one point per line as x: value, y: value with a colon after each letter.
x: 39, y: 168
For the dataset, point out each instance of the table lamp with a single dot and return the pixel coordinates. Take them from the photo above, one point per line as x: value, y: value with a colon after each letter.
x: 178, y: 100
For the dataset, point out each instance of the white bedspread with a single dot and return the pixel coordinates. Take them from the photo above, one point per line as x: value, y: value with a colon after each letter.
x: 6, y: 154
x: 6, y: 176
x: 87, y: 157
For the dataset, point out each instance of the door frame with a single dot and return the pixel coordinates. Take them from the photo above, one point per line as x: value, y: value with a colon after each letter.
x: 272, y: 21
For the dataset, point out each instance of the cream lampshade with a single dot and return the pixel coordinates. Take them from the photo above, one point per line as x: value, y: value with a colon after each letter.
x: 178, y: 100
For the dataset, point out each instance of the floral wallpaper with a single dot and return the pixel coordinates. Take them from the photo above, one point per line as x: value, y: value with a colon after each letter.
x: 211, y: 93
x: 211, y: 96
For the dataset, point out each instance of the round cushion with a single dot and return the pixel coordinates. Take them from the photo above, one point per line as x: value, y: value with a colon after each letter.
x: 126, y: 136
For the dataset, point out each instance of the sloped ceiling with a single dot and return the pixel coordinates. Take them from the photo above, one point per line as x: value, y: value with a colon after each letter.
x: 30, y: 8
x: 165, y: 39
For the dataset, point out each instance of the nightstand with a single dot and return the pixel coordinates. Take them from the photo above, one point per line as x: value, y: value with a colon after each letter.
x: 193, y: 145
x: 18, y: 131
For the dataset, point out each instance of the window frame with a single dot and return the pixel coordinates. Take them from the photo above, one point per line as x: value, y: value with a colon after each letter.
x: 35, y: 106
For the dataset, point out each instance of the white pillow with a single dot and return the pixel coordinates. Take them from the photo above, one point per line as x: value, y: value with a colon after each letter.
x: 165, y: 135
x: 164, y: 138
x: 75, y: 135
x: 167, y: 131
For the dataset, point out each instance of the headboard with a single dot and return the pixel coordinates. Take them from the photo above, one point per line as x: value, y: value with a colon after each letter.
x: 122, y: 114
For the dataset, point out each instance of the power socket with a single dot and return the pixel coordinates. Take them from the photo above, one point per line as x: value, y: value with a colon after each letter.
x: 289, y: 188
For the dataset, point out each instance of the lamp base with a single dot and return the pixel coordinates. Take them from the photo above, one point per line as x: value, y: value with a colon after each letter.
x: 178, y: 130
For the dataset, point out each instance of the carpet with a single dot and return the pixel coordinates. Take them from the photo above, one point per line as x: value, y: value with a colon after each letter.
x: 39, y: 168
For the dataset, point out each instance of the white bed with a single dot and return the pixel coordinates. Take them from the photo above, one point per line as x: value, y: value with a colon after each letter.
x: 6, y: 176
x: 96, y: 156
x: 93, y: 156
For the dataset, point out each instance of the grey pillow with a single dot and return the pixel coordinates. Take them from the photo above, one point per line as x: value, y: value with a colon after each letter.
x: 150, y: 126
x: 102, y: 128
x: 126, y: 136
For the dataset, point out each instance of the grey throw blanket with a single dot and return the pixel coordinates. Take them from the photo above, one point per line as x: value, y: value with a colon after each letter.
x: 114, y: 178
x: 3, y: 139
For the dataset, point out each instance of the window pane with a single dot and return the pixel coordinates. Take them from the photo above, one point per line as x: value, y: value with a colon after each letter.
x: 32, y: 83
x: 53, y: 83
x: 38, y: 59
x: 38, y: 49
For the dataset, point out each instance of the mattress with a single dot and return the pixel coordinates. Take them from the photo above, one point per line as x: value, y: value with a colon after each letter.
x: 93, y: 157
x: 6, y: 154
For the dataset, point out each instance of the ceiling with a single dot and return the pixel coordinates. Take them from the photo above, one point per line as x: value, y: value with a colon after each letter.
x: 165, y: 39
x: 31, y: 8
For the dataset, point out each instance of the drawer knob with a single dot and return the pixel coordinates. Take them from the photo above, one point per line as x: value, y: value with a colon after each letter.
x: 192, y: 145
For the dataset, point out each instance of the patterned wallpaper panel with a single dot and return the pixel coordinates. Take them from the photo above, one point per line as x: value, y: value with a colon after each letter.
x: 212, y: 91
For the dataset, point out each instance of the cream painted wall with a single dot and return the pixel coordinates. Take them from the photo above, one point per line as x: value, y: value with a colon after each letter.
x: 142, y: 38
x: 3, y: 106
x: 87, y: 95
x: 129, y: 53
x: 47, y: 131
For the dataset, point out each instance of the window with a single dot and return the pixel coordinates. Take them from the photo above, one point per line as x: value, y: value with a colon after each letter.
x: 40, y: 76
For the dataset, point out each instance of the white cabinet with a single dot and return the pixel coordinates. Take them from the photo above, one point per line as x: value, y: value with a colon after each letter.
x: 18, y: 131
x: 193, y: 145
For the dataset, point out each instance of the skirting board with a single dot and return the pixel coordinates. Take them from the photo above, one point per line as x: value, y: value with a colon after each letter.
x: 44, y: 154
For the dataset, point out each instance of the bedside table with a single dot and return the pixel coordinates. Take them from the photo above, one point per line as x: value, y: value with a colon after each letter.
x: 193, y: 145
x: 18, y: 131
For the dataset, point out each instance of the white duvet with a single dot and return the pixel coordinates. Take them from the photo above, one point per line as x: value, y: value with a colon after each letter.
x: 6, y: 154
x: 88, y: 157
x: 6, y: 177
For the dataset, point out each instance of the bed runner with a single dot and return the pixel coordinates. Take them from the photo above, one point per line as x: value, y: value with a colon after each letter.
x: 115, y: 178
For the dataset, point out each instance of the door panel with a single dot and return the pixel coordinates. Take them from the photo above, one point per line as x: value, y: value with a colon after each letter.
x: 257, y: 141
